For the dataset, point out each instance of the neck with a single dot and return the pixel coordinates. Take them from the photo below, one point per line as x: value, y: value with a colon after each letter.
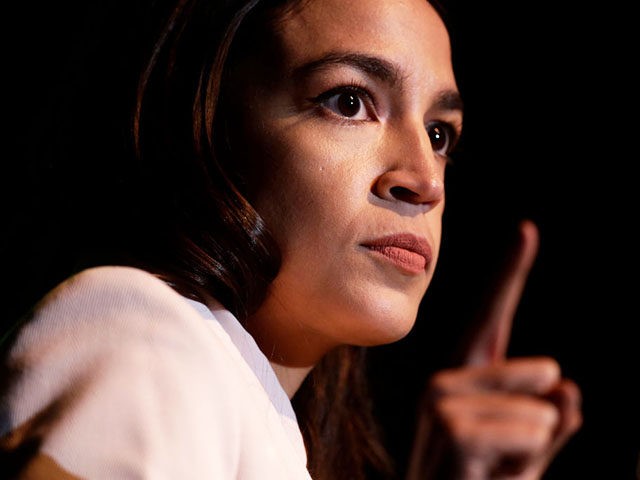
x: 291, y: 349
x: 290, y: 375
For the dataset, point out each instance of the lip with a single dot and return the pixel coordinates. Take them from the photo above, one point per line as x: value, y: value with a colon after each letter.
x: 408, y: 252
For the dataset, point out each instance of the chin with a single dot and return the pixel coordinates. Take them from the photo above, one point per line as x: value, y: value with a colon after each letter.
x: 391, y: 332
x: 385, y: 323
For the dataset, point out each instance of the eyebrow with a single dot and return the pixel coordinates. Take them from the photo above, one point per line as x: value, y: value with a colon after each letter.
x: 374, y: 66
x: 449, y: 100
x: 379, y: 68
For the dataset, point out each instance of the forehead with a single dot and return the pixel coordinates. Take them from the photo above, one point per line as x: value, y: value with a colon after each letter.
x: 408, y: 33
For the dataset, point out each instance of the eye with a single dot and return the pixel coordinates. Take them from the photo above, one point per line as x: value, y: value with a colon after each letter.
x: 347, y: 102
x: 443, y: 137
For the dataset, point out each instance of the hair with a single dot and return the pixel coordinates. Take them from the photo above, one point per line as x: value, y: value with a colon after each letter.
x: 218, y: 243
x: 207, y: 236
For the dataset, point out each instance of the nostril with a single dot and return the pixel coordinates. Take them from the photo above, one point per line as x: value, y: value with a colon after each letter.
x: 404, y: 195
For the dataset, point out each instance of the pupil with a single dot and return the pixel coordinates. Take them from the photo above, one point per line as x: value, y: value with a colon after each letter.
x: 349, y: 104
x: 438, y: 138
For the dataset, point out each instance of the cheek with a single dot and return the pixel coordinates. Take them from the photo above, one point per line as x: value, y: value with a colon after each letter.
x: 315, y: 200
x: 313, y: 187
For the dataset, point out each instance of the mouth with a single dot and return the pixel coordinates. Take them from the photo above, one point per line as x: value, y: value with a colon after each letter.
x: 410, y: 253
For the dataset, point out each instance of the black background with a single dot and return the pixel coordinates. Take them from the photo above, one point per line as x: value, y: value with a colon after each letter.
x: 548, y: 136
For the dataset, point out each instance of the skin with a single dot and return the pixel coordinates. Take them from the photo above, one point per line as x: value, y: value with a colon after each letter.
x: 501, y: 418
x: 332, y: 175
x: 329, y: 182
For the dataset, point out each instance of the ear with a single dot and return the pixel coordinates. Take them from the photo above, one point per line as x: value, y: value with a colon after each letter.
x: 489, y: 339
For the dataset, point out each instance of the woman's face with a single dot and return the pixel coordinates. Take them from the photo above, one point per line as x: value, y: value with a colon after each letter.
x: 348, y: 121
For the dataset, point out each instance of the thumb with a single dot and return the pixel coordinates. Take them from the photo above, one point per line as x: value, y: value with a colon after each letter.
x: 490, y: 338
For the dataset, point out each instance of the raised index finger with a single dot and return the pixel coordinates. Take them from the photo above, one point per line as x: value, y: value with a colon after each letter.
x: 491, y: 337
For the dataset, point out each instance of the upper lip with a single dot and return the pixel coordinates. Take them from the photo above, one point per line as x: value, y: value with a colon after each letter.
x: 406, y: 241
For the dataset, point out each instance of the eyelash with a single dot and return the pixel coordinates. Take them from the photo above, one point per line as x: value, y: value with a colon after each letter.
x: 358, y: 90
x: 452, y: 138
x: 366, y: 99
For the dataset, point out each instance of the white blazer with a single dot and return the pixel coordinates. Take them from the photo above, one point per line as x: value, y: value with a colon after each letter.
x: 117, y: 376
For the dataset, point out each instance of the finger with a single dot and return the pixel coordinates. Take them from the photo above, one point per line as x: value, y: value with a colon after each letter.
x: 531, y: 375
x: 489, y: 343
x: 568, y: 400
x: 499, y: 408
x: 500, y: 436
x: 491, y: 440
x: 502, y: 448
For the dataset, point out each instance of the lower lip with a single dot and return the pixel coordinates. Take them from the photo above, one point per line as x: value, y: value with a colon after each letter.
x: 406, y: 260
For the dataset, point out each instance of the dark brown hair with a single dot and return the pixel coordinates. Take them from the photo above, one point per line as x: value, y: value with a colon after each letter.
x: 218, y: 243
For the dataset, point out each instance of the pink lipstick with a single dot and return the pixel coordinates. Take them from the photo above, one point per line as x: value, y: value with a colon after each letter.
x: 407, y: 251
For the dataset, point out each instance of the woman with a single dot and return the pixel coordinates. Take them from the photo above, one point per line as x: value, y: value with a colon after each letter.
x: 293, y: 155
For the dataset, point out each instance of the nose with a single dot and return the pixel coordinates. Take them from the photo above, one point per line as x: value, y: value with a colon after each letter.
x: 414, y: 173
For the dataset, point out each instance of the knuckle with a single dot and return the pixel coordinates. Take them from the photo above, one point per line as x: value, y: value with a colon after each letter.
x: 548, y: 414
x: 539, y: 435
x: 549, y: 369
x: 439, y: 384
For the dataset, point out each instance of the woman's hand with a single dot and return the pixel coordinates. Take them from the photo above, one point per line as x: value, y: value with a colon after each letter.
x: 496, y: 418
